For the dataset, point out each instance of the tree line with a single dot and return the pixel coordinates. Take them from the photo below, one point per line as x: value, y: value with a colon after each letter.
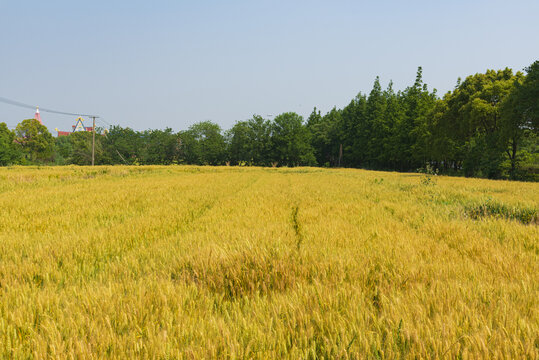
x: 487, y: 126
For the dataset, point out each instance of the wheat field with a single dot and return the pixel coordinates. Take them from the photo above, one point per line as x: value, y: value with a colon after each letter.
x: 236, y: 262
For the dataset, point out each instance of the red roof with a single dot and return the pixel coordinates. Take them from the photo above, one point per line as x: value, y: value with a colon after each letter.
x: 66, y: 133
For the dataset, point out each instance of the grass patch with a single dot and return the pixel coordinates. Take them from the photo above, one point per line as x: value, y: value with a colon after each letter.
x: 244, y: 274
x: 491, y: 208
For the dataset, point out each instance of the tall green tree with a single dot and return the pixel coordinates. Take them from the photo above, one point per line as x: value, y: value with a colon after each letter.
x: 393, y: 116
x: 81, y: 148
x: 36, y: 141
x: 376, y: 126
x: 62, y: 150
x: 325, y: 133
x: 203, y: 144
x: 468, y: 123
x: 520, y: 114
x: 318, y: 135
x: 482, y: 113
x: 9, y: 151
x: 444, y: 152
x: 260, y: 135
x: 291, y: 141
x: 160, y: 147
x: 354, y: 132
x: 412, y: 130
x: 239, y: 143
x: 122, y: 146
x: 250, y: 141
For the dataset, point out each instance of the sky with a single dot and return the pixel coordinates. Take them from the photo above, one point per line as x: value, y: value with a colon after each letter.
x: 157, y: 64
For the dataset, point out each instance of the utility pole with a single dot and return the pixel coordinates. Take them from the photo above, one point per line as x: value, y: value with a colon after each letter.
x: 93, y: 141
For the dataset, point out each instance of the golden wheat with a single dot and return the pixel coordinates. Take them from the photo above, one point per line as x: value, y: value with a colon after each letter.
x: 224, y: 262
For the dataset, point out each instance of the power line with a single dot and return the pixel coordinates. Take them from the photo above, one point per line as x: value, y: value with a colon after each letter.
x: 101, y: 120
x: 105, y: 133
x: 28, y: 106
x: 94, y: 117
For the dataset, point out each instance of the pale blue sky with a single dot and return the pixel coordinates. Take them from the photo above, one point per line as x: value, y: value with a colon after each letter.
x: 153, y: 64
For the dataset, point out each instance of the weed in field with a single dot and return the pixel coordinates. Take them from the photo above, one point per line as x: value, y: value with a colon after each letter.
x: 491, y: 208
x: 429, y: 174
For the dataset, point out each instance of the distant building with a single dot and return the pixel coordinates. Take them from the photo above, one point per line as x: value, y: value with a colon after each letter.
x: 79, y: 126
x: 37, y: 116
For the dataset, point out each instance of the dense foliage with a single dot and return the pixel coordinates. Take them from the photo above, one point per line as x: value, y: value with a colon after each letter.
x: 486, y: 127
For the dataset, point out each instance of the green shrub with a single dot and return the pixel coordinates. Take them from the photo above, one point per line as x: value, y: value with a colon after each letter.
x: 489, y: 208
